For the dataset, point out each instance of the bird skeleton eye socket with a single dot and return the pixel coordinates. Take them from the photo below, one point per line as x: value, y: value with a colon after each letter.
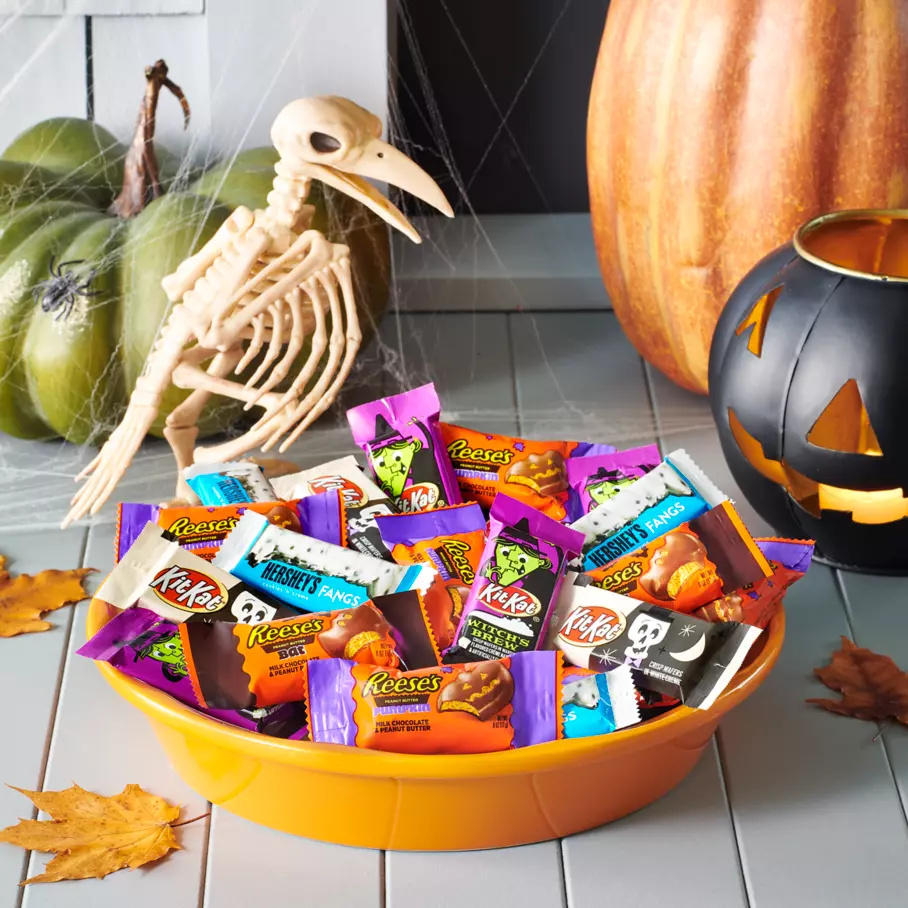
x: 323, y: 143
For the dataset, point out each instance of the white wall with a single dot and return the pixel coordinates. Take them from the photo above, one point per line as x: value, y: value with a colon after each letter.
x: 239, y: 62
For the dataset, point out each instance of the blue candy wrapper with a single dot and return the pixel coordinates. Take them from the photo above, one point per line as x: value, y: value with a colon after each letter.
x: 241, y: 482
x: 597, y: 704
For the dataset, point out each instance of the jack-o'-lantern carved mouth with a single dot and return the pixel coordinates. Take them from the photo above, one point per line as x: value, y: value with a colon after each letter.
x: 881, y: 506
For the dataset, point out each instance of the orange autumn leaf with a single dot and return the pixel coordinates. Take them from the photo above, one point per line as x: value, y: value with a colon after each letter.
x: 25, y: 598
x: 93, y: 835
x: 873, y: 687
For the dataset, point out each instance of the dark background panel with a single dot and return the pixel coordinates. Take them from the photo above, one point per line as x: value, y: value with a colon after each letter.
x: 465, y: 65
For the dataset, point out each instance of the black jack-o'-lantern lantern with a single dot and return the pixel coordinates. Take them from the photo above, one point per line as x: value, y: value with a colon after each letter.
x: 808, y: 381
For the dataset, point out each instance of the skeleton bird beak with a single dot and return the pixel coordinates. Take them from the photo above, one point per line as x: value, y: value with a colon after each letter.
x: 383, y: 162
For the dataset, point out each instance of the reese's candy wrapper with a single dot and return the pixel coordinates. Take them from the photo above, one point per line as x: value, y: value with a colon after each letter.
x: 176, y: 584
x: 414, y: 636
x: 479, y: 707
x: 229, y: 483
x: 675, y: 491
x: 669, y: 652
x: 363, y: 500
x: 594, y: 703
x: 202, y: 530
x: 509, y: 605
x: 533, y: 472
x: 400, y: 438
x: 145, y: 646
x: 594, y: 479
x: 248, y: 666
x: 451, y: 541
x: 756, y: 603
x: 307, y: 573
x: 690, y: 565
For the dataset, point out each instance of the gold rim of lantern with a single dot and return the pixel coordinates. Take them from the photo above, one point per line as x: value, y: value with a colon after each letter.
x: 868, y: 243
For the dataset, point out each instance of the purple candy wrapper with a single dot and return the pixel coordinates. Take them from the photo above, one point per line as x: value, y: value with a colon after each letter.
x: 431, y: 719
x: 511, y: 600
x: 409, y: 529
x: 794, y: 554
x: 399, y: 436
x: 145, y: 647
x: 596, y: 478
x: 321, y: 517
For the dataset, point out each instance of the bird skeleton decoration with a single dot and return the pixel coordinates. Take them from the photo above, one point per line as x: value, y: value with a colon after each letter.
x: 265, y: 278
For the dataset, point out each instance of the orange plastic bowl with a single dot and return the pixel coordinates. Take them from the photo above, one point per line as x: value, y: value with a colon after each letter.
x: 430, y: 803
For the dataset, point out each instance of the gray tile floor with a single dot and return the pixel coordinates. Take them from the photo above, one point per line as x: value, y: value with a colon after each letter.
x: 791, y: 806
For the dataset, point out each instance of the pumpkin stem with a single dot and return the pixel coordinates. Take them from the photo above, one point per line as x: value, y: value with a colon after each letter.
x: 141, y: 181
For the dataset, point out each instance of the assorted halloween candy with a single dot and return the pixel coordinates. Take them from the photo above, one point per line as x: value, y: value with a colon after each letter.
x: 363, y: 500
x: 534, y: 472
x: 399, y: 436
x: 388, y: 615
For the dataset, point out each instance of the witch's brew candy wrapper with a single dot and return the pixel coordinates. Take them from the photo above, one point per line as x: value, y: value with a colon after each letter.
x: 363, y: 500
x: 451, y: 541
x: 479, y: 707
x: 310, y: 574
x: 597, y: 703
x: 399, y: 436
x: 669, y: 652
x: 595, y: 478
x: 229, y: 483
x: 675, y: 491
x: 202, y: 530
x: 756, y: 603
x: 509, y: 605
x: 145, y: 646
x: 534, y: 472
x: 176, y: 584
x: 690, y: 565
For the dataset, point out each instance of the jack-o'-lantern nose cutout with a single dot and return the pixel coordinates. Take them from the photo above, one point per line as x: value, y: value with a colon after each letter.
x: 757, y: 319
x: 844, y: 424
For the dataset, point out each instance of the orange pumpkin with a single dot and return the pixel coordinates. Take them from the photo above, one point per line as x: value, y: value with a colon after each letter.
x: 716, y: 128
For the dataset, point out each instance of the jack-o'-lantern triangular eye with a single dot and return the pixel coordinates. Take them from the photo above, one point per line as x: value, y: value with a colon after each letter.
x: 844, y: 425
x: 757, y: 319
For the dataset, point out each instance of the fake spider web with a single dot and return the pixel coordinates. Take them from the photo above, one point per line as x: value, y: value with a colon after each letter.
x: 37, y: 476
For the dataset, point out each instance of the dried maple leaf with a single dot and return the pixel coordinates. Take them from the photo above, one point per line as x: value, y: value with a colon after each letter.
x: 93, y: 835
x: 24, y: 598
x: 873, y: 686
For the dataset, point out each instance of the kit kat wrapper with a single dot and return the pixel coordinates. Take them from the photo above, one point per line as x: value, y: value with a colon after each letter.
x: 670, y: 653
x: 363, y: 500
x: 674, y: 492
x: 689, y: 566
x: 157, y: 573
x: 144, y: 646
x: 400, y: 437
x: 307, y: 573
x: 451, y: 541
x: 479, y: 707
x: 202, y: 529
x: 510, y: 603
x: 534, y: 472
x: 595, y: 478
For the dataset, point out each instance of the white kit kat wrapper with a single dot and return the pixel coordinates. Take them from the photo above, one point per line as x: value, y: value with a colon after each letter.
x: 343, y: 474
x: 308, y: 573
x: 668, y: 652
x: 158, y: 574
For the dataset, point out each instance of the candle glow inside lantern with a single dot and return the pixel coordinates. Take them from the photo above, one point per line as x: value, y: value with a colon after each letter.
x: 808, y: 380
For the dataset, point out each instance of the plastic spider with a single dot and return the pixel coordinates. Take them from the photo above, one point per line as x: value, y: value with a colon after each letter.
x: 60, y: 290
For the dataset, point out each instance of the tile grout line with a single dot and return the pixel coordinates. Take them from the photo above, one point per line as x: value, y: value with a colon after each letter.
x: 52, y: 719
x: 564, y: 890
x: 206, y: 858
x: 849, y: 618
x: 383, y: 879
x: 717, y: 737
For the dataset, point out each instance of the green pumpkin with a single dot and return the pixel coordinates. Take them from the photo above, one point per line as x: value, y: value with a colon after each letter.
x: 70, y: 374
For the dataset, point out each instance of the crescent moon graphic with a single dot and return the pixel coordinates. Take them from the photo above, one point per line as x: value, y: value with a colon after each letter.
x: 695, y: 652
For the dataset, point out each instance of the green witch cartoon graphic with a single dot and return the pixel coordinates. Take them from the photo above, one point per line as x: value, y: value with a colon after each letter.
x: 391, y: 458
x: 607, y: 484
x: 514, y: 559
x: 166, y: 649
